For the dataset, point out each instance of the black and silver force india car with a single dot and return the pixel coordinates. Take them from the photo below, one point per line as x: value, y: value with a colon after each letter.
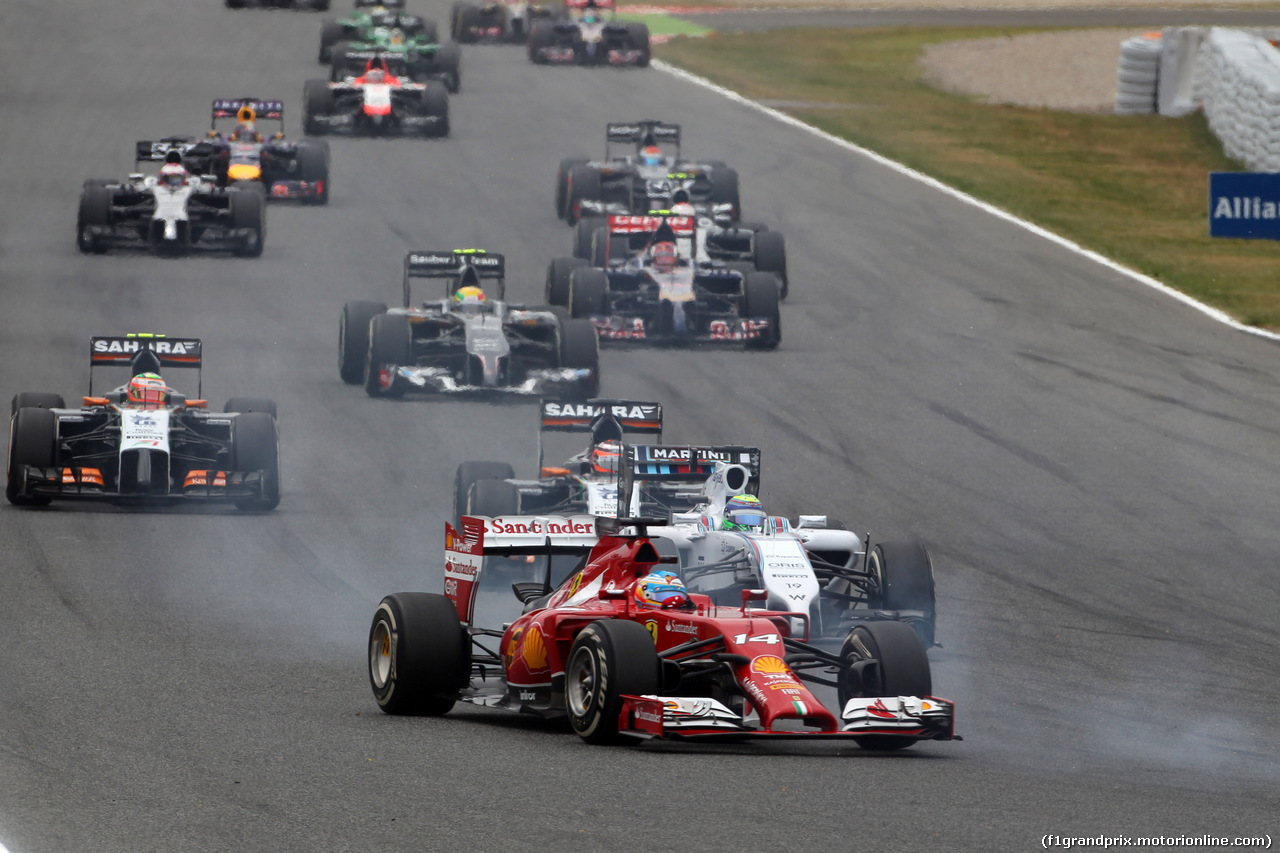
x: 469, y: 341
x: 382, y: 100
x: 500, y: 21
x: 587, y: 483
x: 746, y: 247
x: 243, y: 154
x: 591, y: 34
x: 659, y: 286
x: 173, y: 211
x: 143, y: 442
x: 642, y: 170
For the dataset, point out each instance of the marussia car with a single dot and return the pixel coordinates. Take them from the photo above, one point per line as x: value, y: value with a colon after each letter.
x: 503, y: 20
x: 477, y: 345
x: 642, y: 170
x: 586, y: 36
x: 408, y: 37
x: 382, y: 100
x: 587, y: 483
x: 600, y: 651
x: 243, y: 156
x: 177, y: 212
x: 660, y: 285
x: 163, y: 449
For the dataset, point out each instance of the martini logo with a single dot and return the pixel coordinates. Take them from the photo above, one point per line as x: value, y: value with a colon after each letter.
x: 769, y: 665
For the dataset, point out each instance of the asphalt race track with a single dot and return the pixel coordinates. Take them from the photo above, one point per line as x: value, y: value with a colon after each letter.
x: 1095, y: 468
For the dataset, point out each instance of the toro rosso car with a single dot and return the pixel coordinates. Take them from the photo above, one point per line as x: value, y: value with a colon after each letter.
x: 243, y: 155
x: 587, y: 482
x: 591, y: 34
x: 382, y: 100
x: 503, y: 21
x: 624, y: 650
x: 660, y: 285
x: 368, y: 15
x: 468, y: 342
x: 172, y: 211
x: 642, y: 170
x: 143, y: 442
x: 405, y: 36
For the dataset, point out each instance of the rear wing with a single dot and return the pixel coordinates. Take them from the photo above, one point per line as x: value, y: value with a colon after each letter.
x: 681, y: 226
x: 587, y: 4
x: 231, y: 107
x: 387, y: 4
x: 602, y: 418
x: 355, y: 61
x: 453, y: 264
x: 643, y: 132
x: 662, y: 463
x: 145, y: 353
x: 149, y: 151
x: 507, y: 536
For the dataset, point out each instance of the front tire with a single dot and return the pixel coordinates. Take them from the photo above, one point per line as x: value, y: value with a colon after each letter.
x: 470, y: 473
x: 902, y: 669
x: 609, y: 659
x: 760, y: 297
x: 418, y: 654
x: 390, y: 343
x: 33, y: 440
x: 353, y: 338
x: 256, y: 447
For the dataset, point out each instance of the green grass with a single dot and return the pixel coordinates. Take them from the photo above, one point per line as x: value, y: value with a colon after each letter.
x: 666, y: 25
x: 1133, y: 188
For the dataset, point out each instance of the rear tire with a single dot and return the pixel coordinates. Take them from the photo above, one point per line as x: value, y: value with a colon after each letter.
x: 760, y: 299
x: 317, y: 100
x: 249, y: 210
x: 770, y: 250
x: 638, y: 38
x: 95, y: 209
x: 390, y: 342
x: 584, y: 233
x: 468, y: 23
x: 562, y: 182
x: 330, y: 33
x: 493, y: 498
x: 584, y: 183
x: 313, y: 167
x: 724, y: 190
x: 256, y: 447
x: 353, y: 338
x: 419, y: 656
x: 558, y: 273
x: 903, y: 670
x: 609, y: 659
x: 449, y: 64
x: 541, y: 36
x: 338, y: 61
x: 580, y: 348
x: 588, y: 292
x: 435, y: 102
x: 33, y: 440
x: 906, y: 580
x: 470, y: 473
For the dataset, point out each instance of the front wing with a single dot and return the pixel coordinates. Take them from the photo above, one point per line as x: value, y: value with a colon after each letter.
x: 548, y: 382
x: 73, y: 483
x: 720, y: 331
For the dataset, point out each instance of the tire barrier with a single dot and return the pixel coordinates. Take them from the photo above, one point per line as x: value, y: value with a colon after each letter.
x: 1238, y: 85
x: 1138, y: 75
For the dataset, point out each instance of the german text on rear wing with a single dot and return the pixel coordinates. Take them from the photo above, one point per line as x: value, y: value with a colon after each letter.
x: 450, y: 263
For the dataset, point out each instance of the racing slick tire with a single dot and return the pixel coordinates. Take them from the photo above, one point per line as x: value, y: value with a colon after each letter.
x: 541, y: 36
x: 244, y: 405
x: 580, y: 348
x: 353, y: 338
x: 638, y: 39
x: 902, y: 669
x: 905, y: 575
x: 419, y: 656
x: 95, y: 209
x: 584, y: 183
x: 255, y: 446
x: 609, y: 658
x: 449, y: 66
x: 338, y: 60
x: 249, y: 210
x: 558, y: 274
x: 313, y: 167
x: 435, y: 102
x: 588, y: 292
x: 760, y: 296
x: 466, y: 23
x: 317, y: 100
x: 604, y: 250
x: 724, y: 189
x: 770, y: 252
x: 567, y: 165
x: 390, y: 342
x: 470, y: 473
x: 33, y: 437
x: 331, y: 33
x: 35, y: 400
x: 493, y: 498
x: 584, y: 233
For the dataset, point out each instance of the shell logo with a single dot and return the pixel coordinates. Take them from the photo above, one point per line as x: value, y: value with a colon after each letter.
x: 534, y: 650
x: 769, y: 664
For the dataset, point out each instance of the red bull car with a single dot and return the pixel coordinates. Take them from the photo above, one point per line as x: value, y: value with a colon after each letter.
x: 623, y: 651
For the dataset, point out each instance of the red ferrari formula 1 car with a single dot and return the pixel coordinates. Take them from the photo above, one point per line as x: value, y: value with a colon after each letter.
x: 623, y: 650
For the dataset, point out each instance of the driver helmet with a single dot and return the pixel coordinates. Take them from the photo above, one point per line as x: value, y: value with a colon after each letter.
x: 665, y: 256
x: 375, y: 75
x: 172, y: 175
x: 146, y: 390
x: 743, y: 512
x: 469, y: 299
x: 246, y: 132
x: 397, y: 36
x: 682, y: 208
x: 661, y: 589
x: 651, y: 155
x: 604, y: 457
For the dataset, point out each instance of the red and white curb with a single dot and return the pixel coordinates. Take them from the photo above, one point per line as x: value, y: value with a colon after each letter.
x: 1057, y: 239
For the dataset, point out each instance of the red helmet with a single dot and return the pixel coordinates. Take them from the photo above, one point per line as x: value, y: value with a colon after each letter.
x: 651, y: 155
x: 147, y: 390
x: 604, y: 457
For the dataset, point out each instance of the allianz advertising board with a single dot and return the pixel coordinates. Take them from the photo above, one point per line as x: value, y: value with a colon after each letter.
x: 1244, y: 204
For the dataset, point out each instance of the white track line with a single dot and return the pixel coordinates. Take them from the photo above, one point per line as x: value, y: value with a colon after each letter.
x: 967, y: 199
